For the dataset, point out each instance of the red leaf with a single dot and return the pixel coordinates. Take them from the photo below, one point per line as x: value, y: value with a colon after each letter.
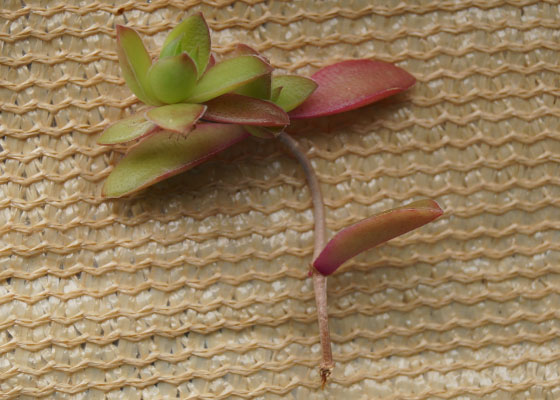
x: 237, y: 109
x: 373, y: 231
x: 352, y: 84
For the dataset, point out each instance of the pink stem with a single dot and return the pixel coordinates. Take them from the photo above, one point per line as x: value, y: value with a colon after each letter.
x: 319, y: 281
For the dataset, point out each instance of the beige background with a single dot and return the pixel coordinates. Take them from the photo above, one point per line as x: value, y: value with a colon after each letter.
x: 197, y: 287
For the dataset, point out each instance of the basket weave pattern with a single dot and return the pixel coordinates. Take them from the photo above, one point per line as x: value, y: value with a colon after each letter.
x: 198, y: 288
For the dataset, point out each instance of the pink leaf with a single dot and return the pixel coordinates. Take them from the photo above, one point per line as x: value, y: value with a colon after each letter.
x: 352, y: 84
x: 373, y: 231
x: 237, y: 109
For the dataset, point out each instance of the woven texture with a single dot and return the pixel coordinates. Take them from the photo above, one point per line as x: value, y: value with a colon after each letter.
x: 198, y: 288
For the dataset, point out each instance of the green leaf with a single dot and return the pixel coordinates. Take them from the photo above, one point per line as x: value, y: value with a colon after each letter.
x: 228, y: 75
x: 263, y: 132
x: 127, y: 129
x: 260, y: 87
x: 164, y: 154
x: 373, y: 231
x: 293, y: 90
x: 135, y: 62
x: 194, y: 38
x: 176, y: 117
x: 173, y: 78
x: 275, y: 93
x: 237, y: 109
x: 172, y: 49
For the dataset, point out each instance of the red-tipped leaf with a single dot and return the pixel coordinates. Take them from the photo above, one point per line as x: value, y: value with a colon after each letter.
x: 237, y: 109
x: 165, y: 154
x: 373, y: 231
x: 352, y: 84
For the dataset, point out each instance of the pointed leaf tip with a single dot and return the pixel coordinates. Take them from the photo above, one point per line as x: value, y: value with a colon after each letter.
x: 193, y: 37
x: 135, y: 61
x: 352, y: 84
x: 373, y: 231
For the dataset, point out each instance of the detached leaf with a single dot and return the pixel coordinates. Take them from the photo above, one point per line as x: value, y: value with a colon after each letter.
x: 166, y: 154
x: 260, y: 87
x: 127, y: 129
x: 135, y: 61
x: 228, y: 75
x: 373, y: 231
x: 194, y: 39
x: 176, y: 117
x: 173, y: 78
x: 237, y: 109
x: 292, y: 90
x: 352, y: 84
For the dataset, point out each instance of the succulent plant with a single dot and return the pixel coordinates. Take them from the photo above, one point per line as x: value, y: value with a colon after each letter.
x: 199, y: 107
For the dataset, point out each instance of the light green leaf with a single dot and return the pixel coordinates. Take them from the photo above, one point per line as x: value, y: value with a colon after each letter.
x: 228, y: 75
x: 260, y: 87
x: 176, y: 117
x: 127, y: 129
x: 194, y: 38
x: 275, y: 93
x: 172, y: 49
x: 263, y: 132
x: 135, y: 62
x: 173, y: 78
x: 165, y: 154
x: 293, y: 90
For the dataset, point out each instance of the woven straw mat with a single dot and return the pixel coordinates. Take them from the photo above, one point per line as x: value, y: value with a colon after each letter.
x: 197, y: 288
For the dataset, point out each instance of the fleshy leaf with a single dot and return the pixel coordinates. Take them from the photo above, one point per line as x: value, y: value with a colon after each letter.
x: 135, y: 62
x: 173, y: 48
x: 275, y: 94
x: 260, y: 87
x: 165, y: 154
x: 352, y: 84
x: 228, y: 75
x: 127, y: 129
x: 373, y: 231
x: 173, y: 78
x: 194, y: 38
x: 211, y: 62
x: 176, y: 117
x: 263, y: 132
x: 237, y: 109
x: 294, y: 90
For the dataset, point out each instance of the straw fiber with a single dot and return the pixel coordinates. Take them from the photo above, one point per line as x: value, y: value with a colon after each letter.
x: 197, y: 288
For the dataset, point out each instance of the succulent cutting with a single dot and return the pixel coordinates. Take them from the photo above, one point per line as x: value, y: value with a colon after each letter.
x: 199, y: 106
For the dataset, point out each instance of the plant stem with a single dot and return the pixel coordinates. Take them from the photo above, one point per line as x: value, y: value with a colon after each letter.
x: 319, y: 281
